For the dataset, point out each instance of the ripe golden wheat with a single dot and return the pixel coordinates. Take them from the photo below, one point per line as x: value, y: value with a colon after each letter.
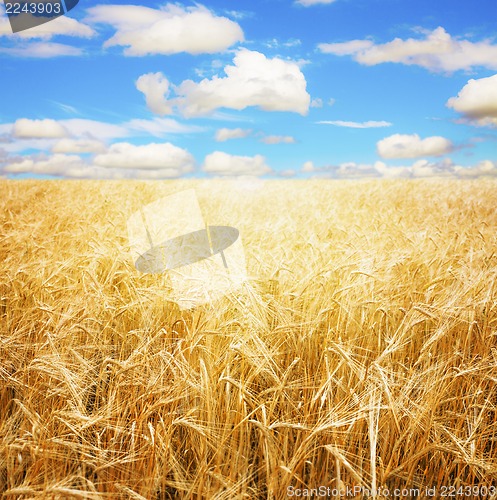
x: 363, y: 350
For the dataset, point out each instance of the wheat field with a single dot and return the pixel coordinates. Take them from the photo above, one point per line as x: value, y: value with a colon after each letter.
x: 362, y: 351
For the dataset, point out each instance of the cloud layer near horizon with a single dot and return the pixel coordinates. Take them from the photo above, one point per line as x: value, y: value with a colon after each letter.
x: 422, y: 168
x: 219, y: 163
x: 185, y: 94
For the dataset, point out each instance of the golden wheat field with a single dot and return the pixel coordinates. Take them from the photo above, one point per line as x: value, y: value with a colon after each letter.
x: 361, y: 354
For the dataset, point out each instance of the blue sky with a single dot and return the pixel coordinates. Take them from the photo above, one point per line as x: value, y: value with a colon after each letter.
x: 266, y: 88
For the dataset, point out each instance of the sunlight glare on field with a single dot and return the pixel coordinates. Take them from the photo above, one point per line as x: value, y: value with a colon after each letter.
x: 204, y: 262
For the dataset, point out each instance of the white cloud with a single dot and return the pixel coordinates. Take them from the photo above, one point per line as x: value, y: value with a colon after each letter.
x: 483, y: 168
x: 278, y: 139
x: 412, y: 146
x: 324, y: 171
x: 165, y: 156
x: 424, y: 168
x: 38, y: 129
x: 58, y: 164
x: 437, y: 51
x: 317, y: 103
x: 155, y: 87
x: 477, y: 101
x: 287, y: 173
x: 42, y: 50
x: 352, y: 169
x: 253, y: 80
x: 168, y: 30
x: 392, y: 172
x: 308, y: 3
x: 444, y: 168
x: 78, y: 146
x: 419, y: 169
x: 368, y: 124
x: 19, y: 145
x: 73, y: 166
x: 344, y: 170
x: 219, y: 163
x: 225, y: 134
x: 308, y: 166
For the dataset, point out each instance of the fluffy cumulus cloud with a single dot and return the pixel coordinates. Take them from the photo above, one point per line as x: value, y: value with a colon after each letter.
x: 437, y: 51
x: 25, y: 128
x: 412, y: 146
x: 477, y: 101
x: 169, y: 30
x: 155, y: 88
x: 253, y: 80
x: 368, y: 124
x: 165, y: 157
x: 278, y: 139
x: 225, y: 134
x: 224, y: 164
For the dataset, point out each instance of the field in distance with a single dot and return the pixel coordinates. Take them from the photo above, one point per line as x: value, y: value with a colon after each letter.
x: 362, y: 350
